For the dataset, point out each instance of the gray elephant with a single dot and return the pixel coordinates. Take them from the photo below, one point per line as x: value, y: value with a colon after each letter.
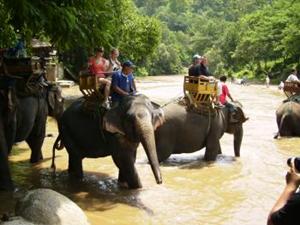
x: 186, y: 131
x: 23, y: 118
x: 124, y: 127
x: 288, y: 119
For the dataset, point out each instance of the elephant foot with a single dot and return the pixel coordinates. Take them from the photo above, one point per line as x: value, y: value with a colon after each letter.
x: 123, y: 184
x: 131, y: 182
x: 36, y: 159
x: 277, y: 136
x: 7, y: 187
x: 76, y: 175
x: 210, y: 158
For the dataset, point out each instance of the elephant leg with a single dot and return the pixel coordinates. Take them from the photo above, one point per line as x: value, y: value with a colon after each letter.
x: 11, y: 131
x: 6, y: 182
x: 35, y: 143
x: 75, y: 166
x: 124, y: 160
x: 213, y: 148
x: 75, y: 157
x: 35, y: 140
x: 164, y: 147
x: 5, y: 177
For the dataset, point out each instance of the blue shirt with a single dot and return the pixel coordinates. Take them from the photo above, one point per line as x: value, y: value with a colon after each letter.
x: 125, y: 82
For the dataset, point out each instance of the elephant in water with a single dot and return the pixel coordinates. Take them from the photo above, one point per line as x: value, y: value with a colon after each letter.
x: 186, y: 131
x: 23, y: 118
x: 288, y: 119
x: 124, y: 126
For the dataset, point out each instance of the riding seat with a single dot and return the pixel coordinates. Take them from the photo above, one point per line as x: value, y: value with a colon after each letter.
x: 198, y: 93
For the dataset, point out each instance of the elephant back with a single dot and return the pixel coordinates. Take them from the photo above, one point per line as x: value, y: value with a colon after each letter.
x: 33, y: 88
x: 294, y: 98
x: 92, y: 108
x: 201, y: 109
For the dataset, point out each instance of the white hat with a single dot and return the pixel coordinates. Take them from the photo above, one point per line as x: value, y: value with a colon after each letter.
x: 196, y: 56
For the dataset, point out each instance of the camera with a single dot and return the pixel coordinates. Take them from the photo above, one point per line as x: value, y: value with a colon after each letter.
x: 296, y: 163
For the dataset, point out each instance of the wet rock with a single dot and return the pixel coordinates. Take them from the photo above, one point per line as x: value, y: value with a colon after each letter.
x: 47, y: 207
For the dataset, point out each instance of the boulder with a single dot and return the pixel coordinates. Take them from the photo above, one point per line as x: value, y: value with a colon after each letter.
x: 46, y: 207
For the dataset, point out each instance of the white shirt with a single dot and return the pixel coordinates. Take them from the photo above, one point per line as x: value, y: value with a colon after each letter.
x: 292, y: 77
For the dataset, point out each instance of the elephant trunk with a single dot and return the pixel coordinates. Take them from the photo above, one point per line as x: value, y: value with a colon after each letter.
x: 146, y: 132
x: 237, y: 140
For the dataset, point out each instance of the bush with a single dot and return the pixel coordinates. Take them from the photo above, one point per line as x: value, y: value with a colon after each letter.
x: 141, y: 72
x: 245, y: 73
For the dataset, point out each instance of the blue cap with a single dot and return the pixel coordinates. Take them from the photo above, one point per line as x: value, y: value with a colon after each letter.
x: 128, y: 63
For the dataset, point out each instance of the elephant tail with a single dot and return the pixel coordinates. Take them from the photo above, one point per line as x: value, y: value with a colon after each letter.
x: 58, y: 144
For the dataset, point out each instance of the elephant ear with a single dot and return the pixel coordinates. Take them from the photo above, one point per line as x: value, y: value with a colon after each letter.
x: 239, y: 114
x: 112, y: 121
x: 54, y: 96
x: 158, y: 118
x: 51, y: 98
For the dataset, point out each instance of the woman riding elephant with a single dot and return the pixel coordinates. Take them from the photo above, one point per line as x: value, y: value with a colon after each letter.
x: 124, y: 126
x: 23, y: 118
x: 186, y: 131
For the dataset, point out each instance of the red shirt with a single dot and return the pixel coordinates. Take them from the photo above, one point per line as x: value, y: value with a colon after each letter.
x: 225, y: 92
x: 97, y: 66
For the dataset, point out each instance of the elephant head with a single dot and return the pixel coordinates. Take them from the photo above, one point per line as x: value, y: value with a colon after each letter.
x: 136, y: 118
x: 236, y: 127
x: 55, y: 101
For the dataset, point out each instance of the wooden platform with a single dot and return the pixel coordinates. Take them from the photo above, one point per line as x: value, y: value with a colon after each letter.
x: 199, y: 92
x: 291, y: 88
x: 20, y: 66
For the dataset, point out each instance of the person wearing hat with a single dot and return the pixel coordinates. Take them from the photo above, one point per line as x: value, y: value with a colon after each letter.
x: 194, y: 67
x: 199, y: 68
x: 98, y: 66
x: 122, y: 82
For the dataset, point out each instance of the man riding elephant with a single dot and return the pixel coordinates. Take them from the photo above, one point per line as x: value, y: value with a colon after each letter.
x: 186, y: 131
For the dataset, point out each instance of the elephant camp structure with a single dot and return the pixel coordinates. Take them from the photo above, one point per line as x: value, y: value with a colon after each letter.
x: 42, y: 61
x: 25, y: 76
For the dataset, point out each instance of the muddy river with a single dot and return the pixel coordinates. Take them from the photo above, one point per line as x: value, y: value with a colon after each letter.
x: 229, y: 192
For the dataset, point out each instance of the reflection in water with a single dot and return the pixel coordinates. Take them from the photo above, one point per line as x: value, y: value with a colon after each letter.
x: 231, y: 191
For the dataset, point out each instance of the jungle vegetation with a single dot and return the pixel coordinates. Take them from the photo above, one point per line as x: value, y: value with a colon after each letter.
x: 252, y: 38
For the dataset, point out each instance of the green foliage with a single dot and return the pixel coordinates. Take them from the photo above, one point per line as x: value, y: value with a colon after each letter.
x: 166, y: 60
x: 245, y: 73
x: 140, y: 36
x: 141, y: 72
x: 255, y: 36
x: 65, y: 22
x: 8, y: 35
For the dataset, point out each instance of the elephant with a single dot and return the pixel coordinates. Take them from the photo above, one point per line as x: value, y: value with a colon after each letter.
x: 23, y: 118
x: 288, y: 118
x: 186, y: 131
x: 118, y: 134
x: 45, y: 206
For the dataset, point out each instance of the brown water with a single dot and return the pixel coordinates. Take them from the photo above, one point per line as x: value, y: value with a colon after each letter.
x: 231, y: 191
